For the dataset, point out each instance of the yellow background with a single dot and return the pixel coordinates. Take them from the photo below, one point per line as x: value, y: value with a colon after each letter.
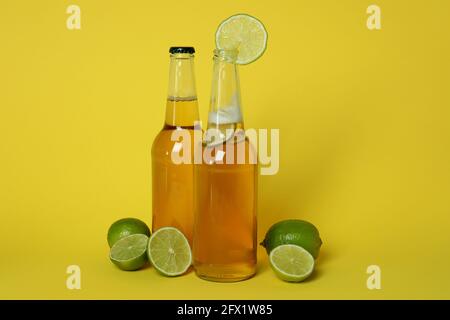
x: 364, y: 127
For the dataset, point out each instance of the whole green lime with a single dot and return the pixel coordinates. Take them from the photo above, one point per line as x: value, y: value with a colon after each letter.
x: 298, y: 232
x: 125, y: 227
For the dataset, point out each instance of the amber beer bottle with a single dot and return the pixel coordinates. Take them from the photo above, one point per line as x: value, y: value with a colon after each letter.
x: 172, y: 183
x: 224, y: 243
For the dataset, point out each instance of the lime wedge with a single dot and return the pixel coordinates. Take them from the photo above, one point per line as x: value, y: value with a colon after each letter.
x: 129, y: 253
x: 244, y: 33
x: 169, y: 251
x: 291, y: 262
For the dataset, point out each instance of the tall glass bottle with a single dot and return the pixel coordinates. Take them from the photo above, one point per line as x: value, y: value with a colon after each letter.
x: 224, y: 244
x: 172, y: 183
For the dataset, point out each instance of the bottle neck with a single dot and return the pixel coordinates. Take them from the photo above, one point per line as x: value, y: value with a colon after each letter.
x: 181, y: 77
x: 225, y: 105
x: 182, y: 106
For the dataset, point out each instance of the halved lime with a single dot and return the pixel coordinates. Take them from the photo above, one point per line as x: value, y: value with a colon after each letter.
x: 293, y: 231
x: 125, y: 227
x: 129, y: 253
x: 169, y: 251
x: 244, y: 33
x: 291, y: 262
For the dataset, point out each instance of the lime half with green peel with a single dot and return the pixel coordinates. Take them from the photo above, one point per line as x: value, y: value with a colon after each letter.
x: 130, y: 253
x: 169, y: 251
x: 291, y: 263
x: 244, y: 33
x: 125, y: 227
x: 293, y: 231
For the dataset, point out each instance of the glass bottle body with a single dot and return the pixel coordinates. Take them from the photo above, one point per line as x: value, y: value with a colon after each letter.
x: 225, y: 202
x: 172, y: 183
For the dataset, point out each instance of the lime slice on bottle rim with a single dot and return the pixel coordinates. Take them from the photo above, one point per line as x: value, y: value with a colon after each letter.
x: 291, y: 263
x: 244, y: 33
x: 169, y: 251
x: 130, y: 253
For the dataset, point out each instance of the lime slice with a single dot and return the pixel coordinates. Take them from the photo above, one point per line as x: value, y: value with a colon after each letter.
x: 244, y: 33
x: 291, y: 262
x: 169, y: 251
x: 129, y: 253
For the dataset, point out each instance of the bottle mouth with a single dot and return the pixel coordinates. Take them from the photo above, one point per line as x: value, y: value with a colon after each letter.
x: 182, y: 52
x: 181, y: 56
x: 174, y: 50
x: 228, y: 55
